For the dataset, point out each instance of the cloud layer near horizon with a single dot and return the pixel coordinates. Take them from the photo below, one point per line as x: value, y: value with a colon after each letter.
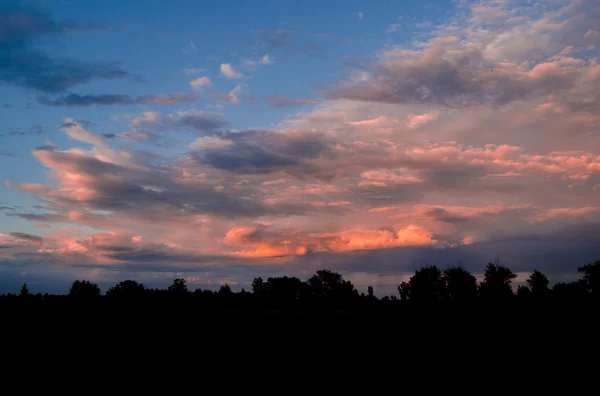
x: 481, y: 140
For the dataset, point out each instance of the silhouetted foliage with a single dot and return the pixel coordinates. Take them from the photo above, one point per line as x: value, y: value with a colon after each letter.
x: 128, y: 291
x: 404, y: 291
x: 178, y: 287
x: 329, y: 286
x: 461, y: 286
x: 591, y: 278
x: 326, y: 289
x: 84, y: 291
x: 24, y: 291
x: 538, y: 284
x: 427, y: 285
x: 570, y: 292
x: 496, y: 285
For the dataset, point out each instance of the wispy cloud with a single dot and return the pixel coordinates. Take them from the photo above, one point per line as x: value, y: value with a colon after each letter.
x: 113, y: 99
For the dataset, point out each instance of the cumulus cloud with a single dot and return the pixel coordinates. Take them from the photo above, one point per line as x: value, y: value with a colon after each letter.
x: 487, y: 66
x: 229, y: 72
x: 201, y: 82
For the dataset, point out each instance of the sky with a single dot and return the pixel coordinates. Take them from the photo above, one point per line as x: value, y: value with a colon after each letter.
x: 218, y: 141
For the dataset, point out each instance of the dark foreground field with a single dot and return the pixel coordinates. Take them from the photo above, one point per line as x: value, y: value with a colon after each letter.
x: 441, y: 333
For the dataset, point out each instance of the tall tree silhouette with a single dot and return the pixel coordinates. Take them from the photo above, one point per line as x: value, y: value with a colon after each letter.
x: 178, y: 289
x: 404, y: 291
x: 496, y: 285
x: 258, y: 286
x: 427, y: 285
x: 461, y: 285
x: 24, y: 291
x: 591, y: 278
x: 538, y: 283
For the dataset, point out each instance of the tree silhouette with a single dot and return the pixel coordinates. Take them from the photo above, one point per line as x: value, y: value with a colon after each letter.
x: 178, y: 287
x: 258, y: 286
x: 24, y: 291
x: 127, y: 291
x: 461, y: 285
x: 427, y: 285
x: 328, y: 285
x: 84, y: 291
x: 225, y: 290
x: 404, y: 291
x: 591, y: 278
x: 283, y: 290
x: 496, y: 285
x: 570, y: 292
x: 523, y: 292
x: 538, y: 284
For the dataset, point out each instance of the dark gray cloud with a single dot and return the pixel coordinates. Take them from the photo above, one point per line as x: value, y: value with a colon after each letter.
x: 46, y: 147
x: 22, y: 64
x: 7, y: 106
x: 6, y: 153
x: 72, y: 100
x: 279, y: 101
x: 27, y: 237
x: 198, y: 121
x: 44, y: 217
x: 6, y: 207
x: 109, y: 135
x: 262, y: 150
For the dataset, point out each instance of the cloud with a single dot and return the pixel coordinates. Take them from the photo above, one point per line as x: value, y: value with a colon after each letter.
x: 32, y: 130
x: 111, y: 100
x: 27, y: 237
x: 261, y: 151
x: 252, y: 64
x: 190, y: 71
x: 75, y: 130
x: 467, y: 65
x: 280, y: 101
x: 201, y: 82
x: 415, y: 121
x: 233, y: 96
x: 394, y: 28
x: 359, y: 15
x: 265, y: 60
x: 24, y: 65
x: 274, y: 38
x: 229, y: 72
x: 151, y: 125
x: 477, y: 139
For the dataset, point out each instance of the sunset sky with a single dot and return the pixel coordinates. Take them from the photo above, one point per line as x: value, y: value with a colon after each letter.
x: 218, y: 141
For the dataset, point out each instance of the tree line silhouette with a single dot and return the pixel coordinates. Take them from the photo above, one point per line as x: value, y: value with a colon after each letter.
x: 429, y: 285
